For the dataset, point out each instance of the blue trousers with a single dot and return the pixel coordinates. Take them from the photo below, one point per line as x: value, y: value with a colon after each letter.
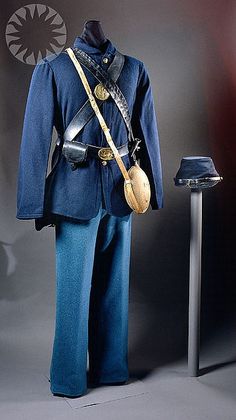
x: 92, y: 296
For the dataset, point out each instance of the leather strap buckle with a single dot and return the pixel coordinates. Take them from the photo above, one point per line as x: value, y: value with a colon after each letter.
x: 105, y: 153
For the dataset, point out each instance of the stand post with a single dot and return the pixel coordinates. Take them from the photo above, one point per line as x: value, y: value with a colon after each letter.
x: 195, y: 282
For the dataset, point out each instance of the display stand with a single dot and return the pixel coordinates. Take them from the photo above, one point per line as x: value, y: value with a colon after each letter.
x: 196, y: 184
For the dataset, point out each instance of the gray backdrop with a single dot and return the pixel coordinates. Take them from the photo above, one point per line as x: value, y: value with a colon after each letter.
x: 193, y: 81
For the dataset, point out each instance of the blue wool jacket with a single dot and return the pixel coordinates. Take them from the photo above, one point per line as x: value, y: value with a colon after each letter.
x: 55, y: 95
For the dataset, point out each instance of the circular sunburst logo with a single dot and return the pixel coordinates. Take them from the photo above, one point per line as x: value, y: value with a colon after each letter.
x: 35, y: 31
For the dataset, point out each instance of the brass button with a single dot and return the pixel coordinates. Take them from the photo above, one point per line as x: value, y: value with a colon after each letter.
x: 104, y: 162
x: 105, y: 60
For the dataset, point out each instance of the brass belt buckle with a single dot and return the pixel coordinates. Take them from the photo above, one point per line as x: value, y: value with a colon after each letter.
x: 105, y: 153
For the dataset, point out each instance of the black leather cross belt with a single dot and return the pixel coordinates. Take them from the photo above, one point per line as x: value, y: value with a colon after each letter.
x: 109, y: 84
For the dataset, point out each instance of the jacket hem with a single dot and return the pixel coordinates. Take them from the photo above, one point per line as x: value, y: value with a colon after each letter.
x: 29, y: 216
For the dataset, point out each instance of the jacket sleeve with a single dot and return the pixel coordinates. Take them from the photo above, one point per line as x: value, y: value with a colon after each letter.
x: 35, y: 143
x: 145, y: 127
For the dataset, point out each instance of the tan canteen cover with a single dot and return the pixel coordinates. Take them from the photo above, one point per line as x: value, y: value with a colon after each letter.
x: 137, y: 191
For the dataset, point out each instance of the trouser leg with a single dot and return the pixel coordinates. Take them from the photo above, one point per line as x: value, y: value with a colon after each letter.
x: 108, y: 313
x: 75, y: 247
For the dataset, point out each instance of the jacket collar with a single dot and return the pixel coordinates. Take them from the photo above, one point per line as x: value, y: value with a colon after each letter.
x: 108, y: 48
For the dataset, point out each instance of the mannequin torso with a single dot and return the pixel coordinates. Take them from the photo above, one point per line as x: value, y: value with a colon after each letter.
x: 93, y: 34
